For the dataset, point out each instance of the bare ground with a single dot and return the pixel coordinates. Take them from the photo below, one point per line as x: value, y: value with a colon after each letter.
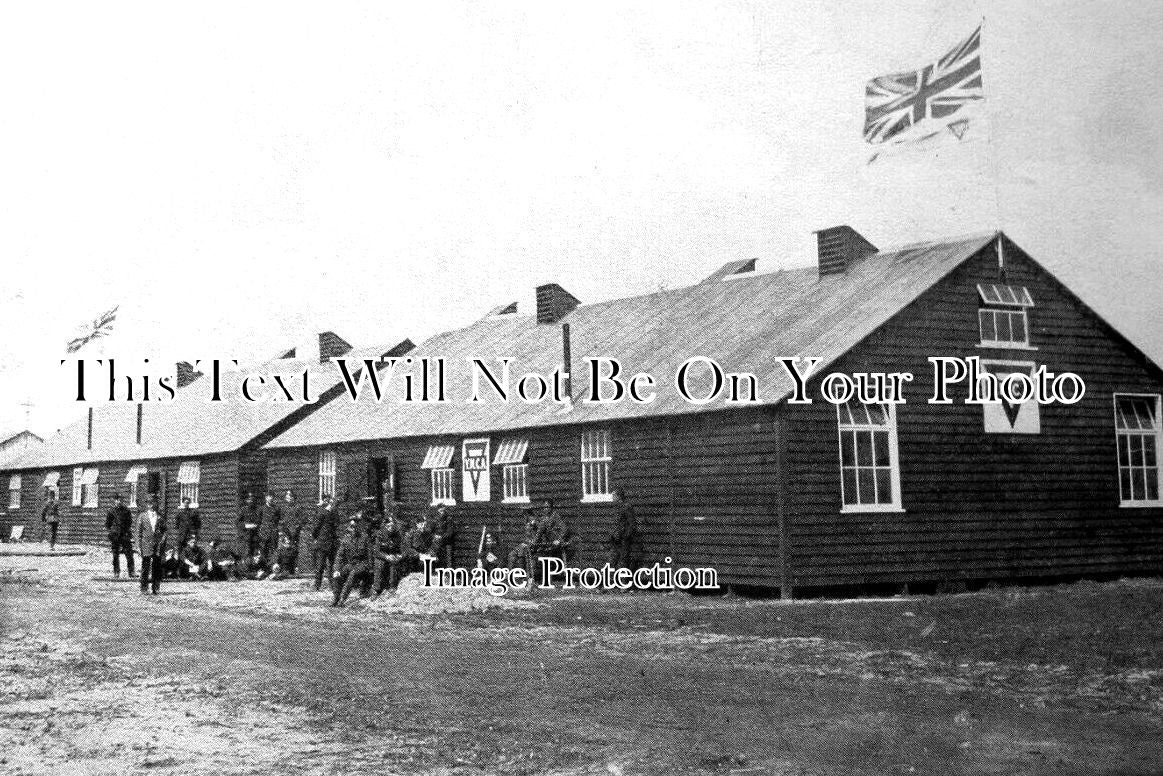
x: 262, y: 677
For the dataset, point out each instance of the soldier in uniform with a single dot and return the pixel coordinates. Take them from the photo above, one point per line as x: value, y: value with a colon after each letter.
x: 388, y: 553
x: 220, y: 562
x: 489, y: 556
x: 50, y: 515
x: 294, y: 520
x: 195, y: 563
x: 283, y: 554
x: 521, y: 556
x: 554, y: 535
x: 324, y: 535
x: 352, y: 561
x: 270, y: 517
x: 119, y: 527
x: 443, y: 535
x: 248, y: 523
x: 418, y: 542
x: 187, y: 522
x: 625, y: 533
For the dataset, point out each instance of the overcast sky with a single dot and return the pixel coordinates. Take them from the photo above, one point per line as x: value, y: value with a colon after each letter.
x: 238, y: 177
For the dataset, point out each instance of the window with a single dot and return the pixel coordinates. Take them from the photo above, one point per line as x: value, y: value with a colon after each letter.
x: 442, y: 486
x: 595, y: 462
x: 326, y: 475
x: 869, y: 468
x: 77, y: 474
x: 131, y: 477
x: 1137, y: 430
x: 89, y: 488
x: 438, y: 460
x: 14, y: 492
x: 52, y: 483
x: 189, y: 474
x: 1003, y: 320
x: 515, y: 471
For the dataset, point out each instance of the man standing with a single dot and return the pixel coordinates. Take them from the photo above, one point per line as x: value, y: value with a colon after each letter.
x: 324, y: 535
x: 119, y: 527
x: 625, y: 533
x: 248, y: 521
x: 151, y: 539
x: 188, y: 523
x: 270, y: 515
x: 50, y: 515
x: 293, y: 521
x: 554, y: 536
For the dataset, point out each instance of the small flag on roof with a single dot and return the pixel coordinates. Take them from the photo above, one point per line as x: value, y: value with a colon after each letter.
x: 100, y: 327
x: 923, y: 104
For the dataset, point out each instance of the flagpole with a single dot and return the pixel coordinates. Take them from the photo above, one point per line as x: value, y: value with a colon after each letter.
x: 997, y: 211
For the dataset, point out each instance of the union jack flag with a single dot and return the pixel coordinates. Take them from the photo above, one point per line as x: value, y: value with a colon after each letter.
x: 894, y: 103
x: 100, y: 327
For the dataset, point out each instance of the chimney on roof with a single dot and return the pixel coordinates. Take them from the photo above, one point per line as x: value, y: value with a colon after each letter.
x: 331, y: 345
x: 839, y: 247
x: 185, y: 373
x: 554, y: 303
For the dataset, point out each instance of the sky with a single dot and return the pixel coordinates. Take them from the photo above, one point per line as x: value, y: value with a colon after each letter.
x: 237, y: 177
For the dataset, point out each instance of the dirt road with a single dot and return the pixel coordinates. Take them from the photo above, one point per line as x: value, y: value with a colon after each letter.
x: 247, y: 678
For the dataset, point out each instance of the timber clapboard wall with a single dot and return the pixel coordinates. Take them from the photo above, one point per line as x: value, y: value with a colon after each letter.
x: 189, y: 429
x: 755, y: 491
x: 979, y: 506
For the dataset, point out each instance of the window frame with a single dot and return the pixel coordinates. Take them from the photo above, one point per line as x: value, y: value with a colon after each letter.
x: 1158, y: 438
x: 14, y: 492
x: 1016, y: 306
x: 599, y: 463
x: 509, y: 472
x: 189, y: 489
x: 896, y: 504
x: 78, y: 473
x: 328, y: 470
x: 436, y: 476
x: 91, y: 493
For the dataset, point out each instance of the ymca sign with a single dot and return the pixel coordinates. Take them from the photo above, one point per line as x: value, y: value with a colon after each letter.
x: 475, y: 463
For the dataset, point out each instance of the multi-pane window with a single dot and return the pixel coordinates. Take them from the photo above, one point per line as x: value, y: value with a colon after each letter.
x: 869, y: 469
x: 1003, y: 320
x: 77, y: 474
x: 52, y: 483
x: 14, y: 492
x: 89, y: 488
x: 189, y: 475
x: 595, y: 464
x: 515, y: 477
x: 131, y: 477
x: 1137, y: 430
x: 326, y: 475
x: 511, y: 457
x: 438, y: 461
x: 442, y: 486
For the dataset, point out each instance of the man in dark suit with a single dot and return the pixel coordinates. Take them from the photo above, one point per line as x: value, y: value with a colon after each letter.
x: 188, y: 523
x: 151, y: 539
x: 50, y: 515
x: 119, y: 526
x: 325, y: 534
x: 293, y: 521
x: 270, y: 516
x: 248, y: 522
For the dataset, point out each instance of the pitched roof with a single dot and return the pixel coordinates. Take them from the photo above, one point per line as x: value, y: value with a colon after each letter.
x: 190, y: 424
x: 745, y: 322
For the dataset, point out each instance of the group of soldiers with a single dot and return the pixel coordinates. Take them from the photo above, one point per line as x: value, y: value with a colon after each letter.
x: 365, y: 549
